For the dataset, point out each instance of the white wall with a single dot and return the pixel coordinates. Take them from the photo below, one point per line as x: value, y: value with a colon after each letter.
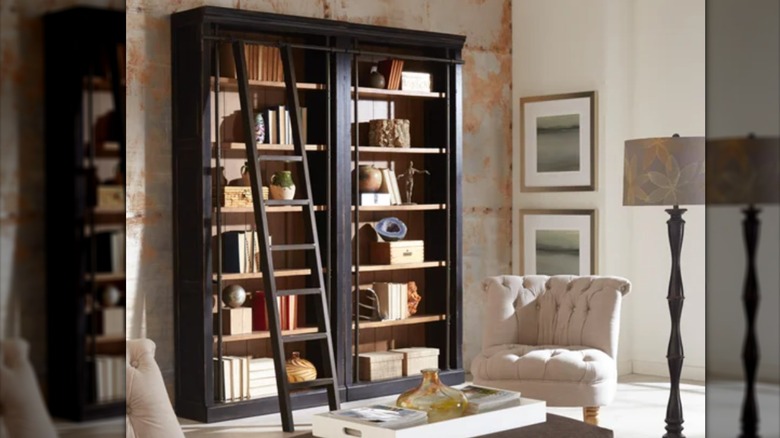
x: 669, y: 97
x: 623, y: 50
x: 567, y: 46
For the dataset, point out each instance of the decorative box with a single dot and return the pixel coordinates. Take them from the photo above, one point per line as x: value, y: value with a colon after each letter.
x: 110, y: 196
x: 389, y: 133
x: 113, y: 321
x: 415, y: 81
x: 240, y: 196
x: 393, y: 253
x: 235, y: 321
x: 418, y: 358
x: 380, y: 365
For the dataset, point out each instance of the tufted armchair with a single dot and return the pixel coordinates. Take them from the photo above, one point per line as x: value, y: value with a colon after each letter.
x: 552, y: 338
x: 149, y: 411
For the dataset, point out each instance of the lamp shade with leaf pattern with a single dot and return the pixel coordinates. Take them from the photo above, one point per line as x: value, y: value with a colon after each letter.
x: 664, y: 171
x: 743, y: 171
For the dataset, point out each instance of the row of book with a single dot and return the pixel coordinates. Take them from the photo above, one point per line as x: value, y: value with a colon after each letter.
x: 388, y: 194
x: 263, y: 63
x: 278, y: 125
x: 393, y: 299
x: 240, y: 252
x: 110, y: 251
x: 480, y: 399
x: 288, y: 312
x: 245, y: 377
x: 108, y: 377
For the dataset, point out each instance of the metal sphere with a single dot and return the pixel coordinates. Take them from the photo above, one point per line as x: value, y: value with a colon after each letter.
x: 233, y: 296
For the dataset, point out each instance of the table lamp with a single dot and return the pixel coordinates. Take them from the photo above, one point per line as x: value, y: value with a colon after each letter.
x: 668, y: 171
x: 746, y: 172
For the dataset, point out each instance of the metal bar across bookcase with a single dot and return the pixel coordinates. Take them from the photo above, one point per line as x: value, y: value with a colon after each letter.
x: 354, y: 52
x: 266, y: 261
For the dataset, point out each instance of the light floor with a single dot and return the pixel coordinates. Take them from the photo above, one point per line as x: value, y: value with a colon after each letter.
x: 637, y: 412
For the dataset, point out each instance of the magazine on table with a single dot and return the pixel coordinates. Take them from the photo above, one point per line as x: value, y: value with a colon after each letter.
x: 484, y: 399
x: 390, y: 417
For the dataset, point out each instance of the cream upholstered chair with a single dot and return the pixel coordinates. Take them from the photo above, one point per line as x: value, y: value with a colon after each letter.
x: 552, y: 338
x: 149, y: 411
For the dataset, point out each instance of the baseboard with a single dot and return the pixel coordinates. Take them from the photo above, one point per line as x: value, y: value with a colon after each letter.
x: 661, y: 369
x: 624, y: 367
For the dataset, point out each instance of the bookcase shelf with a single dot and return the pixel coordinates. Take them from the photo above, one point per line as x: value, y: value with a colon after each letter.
x: 264, y: 334
x: 106, y: 277
x: 400, y: 266
x: 416, y: 319
x: 332, y: 60
x: 367, y: 92
x: 389, y: 150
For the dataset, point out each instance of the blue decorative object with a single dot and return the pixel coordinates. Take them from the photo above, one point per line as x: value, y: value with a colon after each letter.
x: 391, y: 229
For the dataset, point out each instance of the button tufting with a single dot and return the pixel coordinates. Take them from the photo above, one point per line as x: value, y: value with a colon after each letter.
x: 134, y: 364
x: 538, y: 306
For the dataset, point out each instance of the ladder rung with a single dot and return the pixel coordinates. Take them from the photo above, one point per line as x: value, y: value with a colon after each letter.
x: 285, y: 202
x: 280, y: 158
x: 304, y: 337
x: 316, y: 383
x: 295, y: 247
x: 288, y: 292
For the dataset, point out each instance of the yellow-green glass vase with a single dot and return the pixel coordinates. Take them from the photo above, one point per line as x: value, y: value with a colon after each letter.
x: 440, y: 401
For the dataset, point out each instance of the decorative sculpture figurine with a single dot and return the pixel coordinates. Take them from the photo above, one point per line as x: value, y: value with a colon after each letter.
x: 408, y: 177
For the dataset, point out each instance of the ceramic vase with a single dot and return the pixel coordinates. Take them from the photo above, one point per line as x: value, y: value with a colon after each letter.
x: 369, y: 178
x: 376, y: 79
x: 282, y: 186
x: 259, y: 128
x: 300, y: 369
x: 440, y: 401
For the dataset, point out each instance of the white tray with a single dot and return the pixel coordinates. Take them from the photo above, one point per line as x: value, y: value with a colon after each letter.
x: 525, y: 413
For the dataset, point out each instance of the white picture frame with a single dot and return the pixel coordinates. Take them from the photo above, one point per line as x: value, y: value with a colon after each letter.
x: 557, y: 142
x: 558, y: 242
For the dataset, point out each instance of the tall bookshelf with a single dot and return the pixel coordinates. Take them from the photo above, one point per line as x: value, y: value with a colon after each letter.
x: 85, y: 220
x: 332, y: 60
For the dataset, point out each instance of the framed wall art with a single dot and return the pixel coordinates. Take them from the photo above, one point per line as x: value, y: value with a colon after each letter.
x: 554, y: 242
x: 557, y: 142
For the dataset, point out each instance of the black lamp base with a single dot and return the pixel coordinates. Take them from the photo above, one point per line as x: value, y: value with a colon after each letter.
x: 675, y: 297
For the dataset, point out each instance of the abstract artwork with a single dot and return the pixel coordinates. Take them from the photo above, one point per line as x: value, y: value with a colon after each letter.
x: 558, y: 242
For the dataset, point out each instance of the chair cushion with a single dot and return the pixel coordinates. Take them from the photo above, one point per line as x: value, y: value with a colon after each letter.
x: 149, y: 410
x: 575, y: 364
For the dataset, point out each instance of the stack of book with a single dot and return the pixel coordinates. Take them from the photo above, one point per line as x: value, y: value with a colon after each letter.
x: 109, y: 372
x: 482, y: 399
x: 262, y: 377
x: 389, y: 417
x: 393, y: 299
x: 263, y: 63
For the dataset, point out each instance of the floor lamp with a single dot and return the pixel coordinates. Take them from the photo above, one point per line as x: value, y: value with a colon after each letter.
x: 746, y: 172
x: 668, y: 171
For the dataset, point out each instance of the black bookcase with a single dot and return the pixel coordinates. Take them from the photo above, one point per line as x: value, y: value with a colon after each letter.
x: 84, y: 150
x: 332, y: 61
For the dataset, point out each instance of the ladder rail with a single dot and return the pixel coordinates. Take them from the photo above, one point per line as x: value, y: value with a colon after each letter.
x: 312, y: 246
x: 261, y: 221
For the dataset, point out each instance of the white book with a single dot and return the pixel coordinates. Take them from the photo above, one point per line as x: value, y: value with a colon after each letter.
x: 403, y: 293
x: 262, y: 375
x: 394, y: 187
x: 118, y: 251
x: 482, y: 399
x: 261, y: 364
x: 390, y: 417
x: 245, y: 376
x: 382, y: 291
x: 375, y: 199
x: 225, y: 379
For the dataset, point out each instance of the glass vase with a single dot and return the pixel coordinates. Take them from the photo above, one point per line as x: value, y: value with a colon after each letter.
x: 439, y: 400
